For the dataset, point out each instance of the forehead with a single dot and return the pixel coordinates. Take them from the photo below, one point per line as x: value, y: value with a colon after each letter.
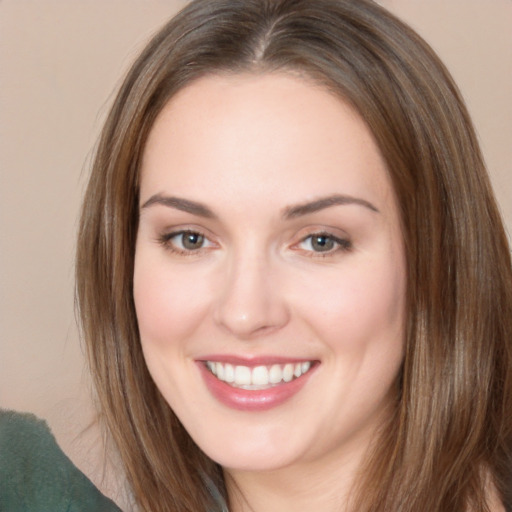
x: 259, y: 134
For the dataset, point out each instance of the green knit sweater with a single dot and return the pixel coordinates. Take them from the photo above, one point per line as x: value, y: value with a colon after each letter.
x: 36, y: 475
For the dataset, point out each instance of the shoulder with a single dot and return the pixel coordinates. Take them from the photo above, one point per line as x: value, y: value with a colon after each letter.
x: 36, y: 475
x: 20, y: 433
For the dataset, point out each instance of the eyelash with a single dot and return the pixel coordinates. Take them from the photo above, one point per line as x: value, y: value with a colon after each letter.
x: 340, y: 244
x: 166, y: 241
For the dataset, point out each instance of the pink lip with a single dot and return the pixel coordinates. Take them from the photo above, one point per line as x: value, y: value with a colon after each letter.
x: 252, y: 361
x: 253, y: 400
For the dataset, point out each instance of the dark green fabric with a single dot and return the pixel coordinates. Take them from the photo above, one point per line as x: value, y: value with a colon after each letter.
x: 36, y: 475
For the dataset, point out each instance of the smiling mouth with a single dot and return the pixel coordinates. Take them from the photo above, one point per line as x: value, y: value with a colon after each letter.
x: 258, y: 377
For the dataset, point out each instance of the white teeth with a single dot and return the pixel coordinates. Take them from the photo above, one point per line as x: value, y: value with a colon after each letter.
x: 258, y: 377
x: 276, y: 374
x: 242, y: 375
x: 219, y: 370
x: 288, y: 373
x: 229, y: 373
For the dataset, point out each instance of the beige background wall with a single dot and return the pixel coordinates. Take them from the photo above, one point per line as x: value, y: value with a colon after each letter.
x: 60, y: 60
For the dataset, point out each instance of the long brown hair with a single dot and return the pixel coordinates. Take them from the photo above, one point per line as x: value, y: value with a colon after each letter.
x: 451, y: 433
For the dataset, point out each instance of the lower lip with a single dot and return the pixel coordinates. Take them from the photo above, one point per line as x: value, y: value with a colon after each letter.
x: 250, y: 399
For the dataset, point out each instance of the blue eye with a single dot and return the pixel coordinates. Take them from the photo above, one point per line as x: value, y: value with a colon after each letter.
x: 324, y: 243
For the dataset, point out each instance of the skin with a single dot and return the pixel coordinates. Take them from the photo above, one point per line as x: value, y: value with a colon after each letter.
x: 249, y: 148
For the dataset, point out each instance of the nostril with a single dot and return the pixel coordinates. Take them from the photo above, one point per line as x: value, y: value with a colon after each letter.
x: 251, y: 319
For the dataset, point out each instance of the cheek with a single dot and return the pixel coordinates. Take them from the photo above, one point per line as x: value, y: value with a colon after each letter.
x: 168, y: 304
x: 360, y: 308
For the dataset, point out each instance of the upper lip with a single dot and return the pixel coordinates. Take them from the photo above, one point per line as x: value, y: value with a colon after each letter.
x: 253, y: 360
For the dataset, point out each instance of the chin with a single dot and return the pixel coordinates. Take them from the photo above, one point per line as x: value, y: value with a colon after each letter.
x: 250, y: 454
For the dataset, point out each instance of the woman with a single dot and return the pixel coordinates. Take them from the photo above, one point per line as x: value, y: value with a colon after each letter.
x: 293, y: 280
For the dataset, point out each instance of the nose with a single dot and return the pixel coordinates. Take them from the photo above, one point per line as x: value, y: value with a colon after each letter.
x: 250, y: 302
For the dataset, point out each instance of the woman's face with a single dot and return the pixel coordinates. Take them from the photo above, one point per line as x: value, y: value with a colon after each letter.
x: 269, y: 276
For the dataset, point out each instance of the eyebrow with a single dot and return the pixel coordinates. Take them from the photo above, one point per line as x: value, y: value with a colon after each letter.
x: 325, y: 202
x: 185, y: 205
x: 290, y: 212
